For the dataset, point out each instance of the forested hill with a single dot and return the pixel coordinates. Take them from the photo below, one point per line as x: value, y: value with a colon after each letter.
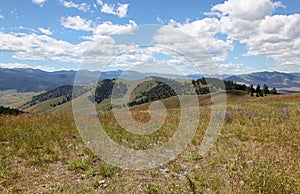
x: 67, y: 92
x: 142, y: 91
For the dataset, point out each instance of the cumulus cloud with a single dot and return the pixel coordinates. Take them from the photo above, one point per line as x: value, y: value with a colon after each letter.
x: 70, y: 4
x: 76, y: 23
x: 1, y: 16
x: 119, y: 9
x: 41, y: 47
x: 39, y: 2
x: 37, y: 47
x: 264, y: 34
x: 110, y: 28
x: 203, y: 32
x: 246, y: 9
x: 104, y: 28
x: 188, y: 47
x: 277, y: 37
x: 45, y: 31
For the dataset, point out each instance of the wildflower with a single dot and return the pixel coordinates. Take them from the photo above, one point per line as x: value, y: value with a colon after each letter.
x: 285, y: 112
x: 226, y: 116
x: 249, y: 114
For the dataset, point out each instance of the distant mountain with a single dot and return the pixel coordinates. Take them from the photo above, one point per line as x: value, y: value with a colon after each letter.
x: 25, y: 80
x: 282, y: 81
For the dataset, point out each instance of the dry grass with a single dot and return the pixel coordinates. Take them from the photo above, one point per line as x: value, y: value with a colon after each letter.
x: 258, y: 152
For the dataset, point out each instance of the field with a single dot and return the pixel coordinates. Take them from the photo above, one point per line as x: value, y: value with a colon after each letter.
x: 257, y: 151
x: 14, y: 98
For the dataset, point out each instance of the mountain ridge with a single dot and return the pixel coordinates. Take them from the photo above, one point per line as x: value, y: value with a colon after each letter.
x: 27, y: 80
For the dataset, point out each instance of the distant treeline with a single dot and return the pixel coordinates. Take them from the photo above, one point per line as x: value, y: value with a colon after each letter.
x: 11, y: 111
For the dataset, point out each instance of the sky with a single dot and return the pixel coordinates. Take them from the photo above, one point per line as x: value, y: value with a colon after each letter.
x: 191, y: 36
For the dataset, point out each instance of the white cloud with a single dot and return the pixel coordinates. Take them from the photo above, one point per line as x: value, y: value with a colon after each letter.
x: 38, y: 47
x: 230, y: 66
x: 119, y: 10
x: 105, y: 28
x: 13, y: 65
x: 1, y: 16
x: 246, y: 9
x: 23, y: 46
x: 39, y: 2
x: 277, y: 37
x: 110, y: 28
x: 45, y: 31
x: 203, y: 33
x: 70, y: 4
x: 187, y: 47
x: 44, y: 68
x: 99, y: 2
x: 76, y: 23
x: 264, y: 34
x: 25, y: 66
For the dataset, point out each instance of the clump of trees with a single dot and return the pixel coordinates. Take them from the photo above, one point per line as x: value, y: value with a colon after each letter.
x: 158, y: 92
x: 207, y: 85
x: 261, y: 92
x: 108, y: 88
x: 66, y: 91
x: 11, y: 111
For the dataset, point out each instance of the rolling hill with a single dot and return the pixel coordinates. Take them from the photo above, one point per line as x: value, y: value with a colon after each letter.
x: 118, y: 93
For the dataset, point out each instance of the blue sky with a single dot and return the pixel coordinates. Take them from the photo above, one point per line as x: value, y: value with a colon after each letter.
x: 238, y: 36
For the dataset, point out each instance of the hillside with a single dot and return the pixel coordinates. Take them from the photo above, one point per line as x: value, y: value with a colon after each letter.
x: 257, y: 151
x: 113, y: 93
x: 150, y: 89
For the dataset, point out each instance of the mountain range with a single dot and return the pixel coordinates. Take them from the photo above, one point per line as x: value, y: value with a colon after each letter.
x: 25, y: 80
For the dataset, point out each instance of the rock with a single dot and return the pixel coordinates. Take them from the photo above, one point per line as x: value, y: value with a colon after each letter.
x: 249, y: 163
x: 164, y: 170
x: 71, y: 145
x: 242, y: 183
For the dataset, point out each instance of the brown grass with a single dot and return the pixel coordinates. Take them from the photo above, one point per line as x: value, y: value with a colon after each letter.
x: 255, y: 153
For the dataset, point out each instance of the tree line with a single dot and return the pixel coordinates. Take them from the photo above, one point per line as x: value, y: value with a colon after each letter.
x: 11, y: 111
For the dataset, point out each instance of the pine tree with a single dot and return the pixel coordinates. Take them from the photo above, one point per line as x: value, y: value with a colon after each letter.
x: 251, y: 89
x: 273, y: 91
x: 266, y: 89
x: 257, y: 90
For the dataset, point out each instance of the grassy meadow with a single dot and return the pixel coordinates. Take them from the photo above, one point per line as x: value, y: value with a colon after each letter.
x: 258, y: 151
